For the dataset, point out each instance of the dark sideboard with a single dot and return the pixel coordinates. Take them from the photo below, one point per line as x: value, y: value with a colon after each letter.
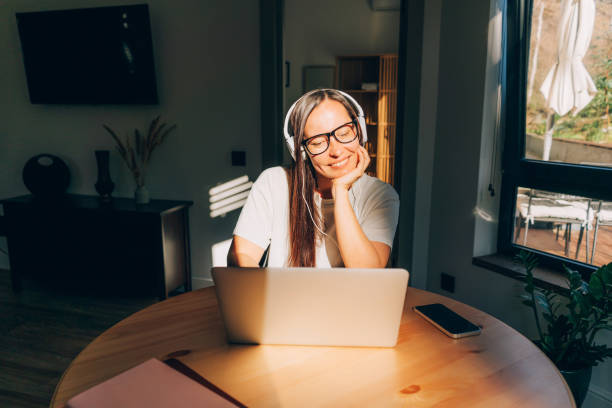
x: 118, y: 247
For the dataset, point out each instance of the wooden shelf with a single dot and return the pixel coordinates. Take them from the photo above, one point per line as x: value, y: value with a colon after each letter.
x: 379, y: 105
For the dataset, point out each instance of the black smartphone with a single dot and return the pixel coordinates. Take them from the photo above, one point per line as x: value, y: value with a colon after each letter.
x: 449, y: 322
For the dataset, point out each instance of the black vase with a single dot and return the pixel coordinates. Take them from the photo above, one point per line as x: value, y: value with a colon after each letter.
x: 578, y: 381
x: 104, y: 185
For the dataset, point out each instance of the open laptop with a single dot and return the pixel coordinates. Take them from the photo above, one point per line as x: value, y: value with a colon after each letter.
x: 311, y: 306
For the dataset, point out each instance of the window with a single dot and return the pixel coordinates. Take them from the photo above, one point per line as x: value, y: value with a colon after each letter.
x: 557, y: 164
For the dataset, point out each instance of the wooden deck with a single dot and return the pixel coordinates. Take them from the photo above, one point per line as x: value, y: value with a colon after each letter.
x: 546, y: 240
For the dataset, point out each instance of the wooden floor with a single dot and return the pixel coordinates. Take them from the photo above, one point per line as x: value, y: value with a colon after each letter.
x: 545, y: 240
x: 42, y: 330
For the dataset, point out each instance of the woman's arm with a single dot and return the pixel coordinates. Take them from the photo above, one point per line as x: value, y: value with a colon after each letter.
x: 254, y: 226
x: 356, y: 249
x: 244, y: 253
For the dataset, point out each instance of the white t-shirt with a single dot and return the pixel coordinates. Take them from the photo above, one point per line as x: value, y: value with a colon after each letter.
x: 264, y: 219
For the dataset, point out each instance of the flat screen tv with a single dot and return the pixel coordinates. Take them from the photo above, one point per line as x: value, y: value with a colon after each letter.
x: 89, y: 56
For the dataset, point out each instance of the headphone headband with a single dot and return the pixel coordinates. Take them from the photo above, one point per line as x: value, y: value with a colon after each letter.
x: 360, y: 119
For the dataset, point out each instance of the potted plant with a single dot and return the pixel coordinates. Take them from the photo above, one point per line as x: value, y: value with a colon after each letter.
x: 136, y: 153
x: 571, y: 321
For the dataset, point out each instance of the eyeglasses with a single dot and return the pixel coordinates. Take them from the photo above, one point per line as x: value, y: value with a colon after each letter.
x: 320, y: 143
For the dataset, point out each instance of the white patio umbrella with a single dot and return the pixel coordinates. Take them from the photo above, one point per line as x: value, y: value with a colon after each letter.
x: 568, y: 85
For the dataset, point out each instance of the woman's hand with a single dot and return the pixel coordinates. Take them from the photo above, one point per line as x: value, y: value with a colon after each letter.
x: 356, y: 250
x: 345, y: 182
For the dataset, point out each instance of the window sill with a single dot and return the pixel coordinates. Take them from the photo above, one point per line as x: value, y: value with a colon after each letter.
x: 544, y: 277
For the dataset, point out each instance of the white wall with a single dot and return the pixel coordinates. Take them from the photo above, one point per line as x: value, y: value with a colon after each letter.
x: 463, y: 132
x: 317, y: 31
x: 207, y: 65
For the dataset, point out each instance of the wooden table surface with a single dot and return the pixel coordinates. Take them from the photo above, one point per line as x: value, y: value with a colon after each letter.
x: 499, y: 368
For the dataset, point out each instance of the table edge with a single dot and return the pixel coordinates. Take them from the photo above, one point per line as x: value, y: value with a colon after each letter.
x: 107, y: 332
x: 212, y: 291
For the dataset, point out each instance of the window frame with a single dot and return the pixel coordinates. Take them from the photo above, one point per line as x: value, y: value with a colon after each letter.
x: 581, y: 180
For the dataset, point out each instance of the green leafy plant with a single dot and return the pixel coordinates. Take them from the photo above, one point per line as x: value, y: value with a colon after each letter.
x: 600, y: 104
x: 571, y: 321
x: 566, y: 123
x: 136, y: 151
x: 540, y: 129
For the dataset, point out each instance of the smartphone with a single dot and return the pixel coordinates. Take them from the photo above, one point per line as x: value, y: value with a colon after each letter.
x: 449, y: 322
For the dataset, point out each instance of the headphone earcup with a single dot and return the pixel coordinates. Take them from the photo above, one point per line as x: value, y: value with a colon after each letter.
x: 364, y: 130
x: 292, y: 150
x: 289, y: 140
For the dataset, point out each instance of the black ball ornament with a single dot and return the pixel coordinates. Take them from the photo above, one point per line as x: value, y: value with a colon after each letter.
x: 46, y: 176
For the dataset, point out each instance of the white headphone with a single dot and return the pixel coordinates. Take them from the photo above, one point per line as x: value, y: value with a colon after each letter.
x: 360, y: 119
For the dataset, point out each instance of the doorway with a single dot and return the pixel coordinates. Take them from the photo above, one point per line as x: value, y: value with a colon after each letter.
x: 277, y: 77
x: 351, y: 46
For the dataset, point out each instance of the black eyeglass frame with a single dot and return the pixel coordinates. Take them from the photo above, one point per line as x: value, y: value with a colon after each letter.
x: 329, y: 135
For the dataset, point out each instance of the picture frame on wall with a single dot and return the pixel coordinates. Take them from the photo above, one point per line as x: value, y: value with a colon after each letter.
x: 318, y: 76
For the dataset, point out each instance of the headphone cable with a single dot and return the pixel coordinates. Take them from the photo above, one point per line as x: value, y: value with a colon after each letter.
x: 312, y: 218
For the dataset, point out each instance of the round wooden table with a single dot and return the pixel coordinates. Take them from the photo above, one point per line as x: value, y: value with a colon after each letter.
x: 499, y: 368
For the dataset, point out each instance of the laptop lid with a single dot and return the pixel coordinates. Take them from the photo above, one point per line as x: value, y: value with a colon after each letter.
x: 311, y: 306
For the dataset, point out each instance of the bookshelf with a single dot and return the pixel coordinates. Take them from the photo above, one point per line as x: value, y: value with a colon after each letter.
x: 353, y: 74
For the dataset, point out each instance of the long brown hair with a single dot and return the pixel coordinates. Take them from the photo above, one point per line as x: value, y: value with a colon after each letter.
x: 303, y: 234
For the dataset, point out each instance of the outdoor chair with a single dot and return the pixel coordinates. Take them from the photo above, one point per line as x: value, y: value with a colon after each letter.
x: 558, y: 209
x: 602, y: 217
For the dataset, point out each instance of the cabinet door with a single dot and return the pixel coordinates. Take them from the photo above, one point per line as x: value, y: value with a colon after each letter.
x: 119, y: 252
x: 96, y: 250
x: 36, y: 237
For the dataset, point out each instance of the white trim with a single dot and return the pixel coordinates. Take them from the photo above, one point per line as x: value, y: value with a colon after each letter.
x: 489, y: 168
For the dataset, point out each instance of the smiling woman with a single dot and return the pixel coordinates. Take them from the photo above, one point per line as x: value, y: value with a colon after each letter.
x: 323, y: 210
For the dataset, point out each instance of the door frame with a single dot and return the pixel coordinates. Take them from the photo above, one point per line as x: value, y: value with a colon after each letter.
x: 410, y: 54
x: 271, y: 75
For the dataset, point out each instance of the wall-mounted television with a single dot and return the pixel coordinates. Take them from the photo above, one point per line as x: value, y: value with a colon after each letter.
x: 98, y: 55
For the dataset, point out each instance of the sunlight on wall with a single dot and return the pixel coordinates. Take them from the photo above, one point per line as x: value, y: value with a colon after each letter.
x: 229, y: 196
x: 495, y: 46
x: 484, y: 215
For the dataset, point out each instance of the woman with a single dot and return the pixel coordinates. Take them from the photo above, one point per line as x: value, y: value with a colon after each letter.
x: 323, y: 210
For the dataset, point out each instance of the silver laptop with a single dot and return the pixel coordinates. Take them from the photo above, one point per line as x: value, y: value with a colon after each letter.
x: 311, y: 306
